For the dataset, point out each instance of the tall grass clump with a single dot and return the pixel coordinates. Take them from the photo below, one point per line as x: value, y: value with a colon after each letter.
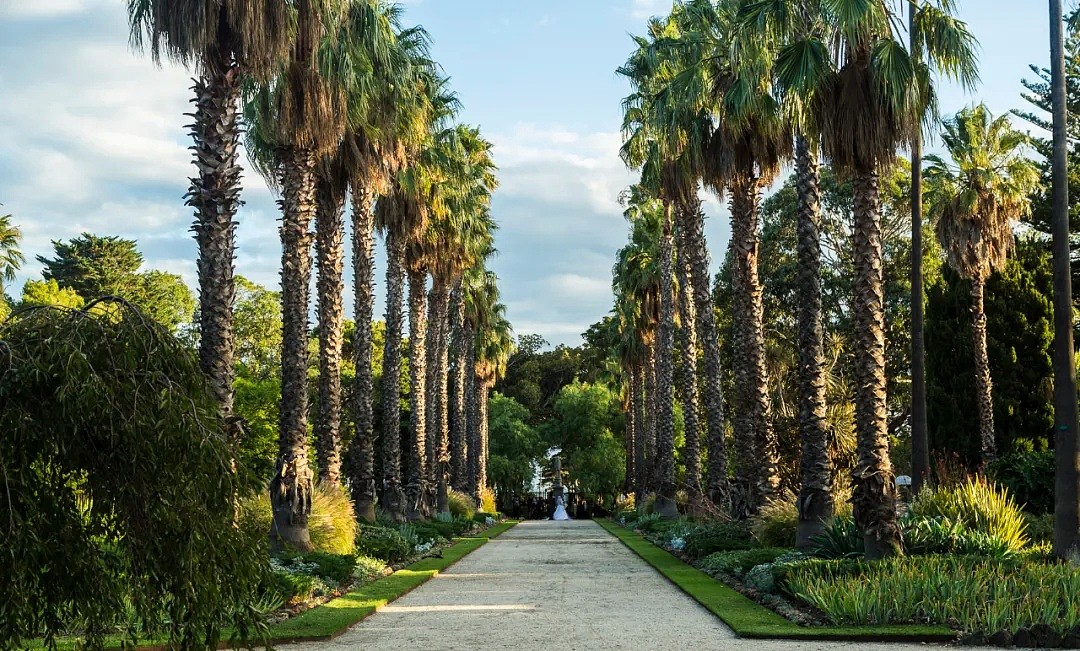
x: 332, y: 524
x: 774, y: 525
x: 461, y: 505
x: 979, y: 506
x: 487, y: 501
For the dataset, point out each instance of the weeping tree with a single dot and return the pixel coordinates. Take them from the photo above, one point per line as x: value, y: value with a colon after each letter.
x: 975, y: 198
x: 96, y: 414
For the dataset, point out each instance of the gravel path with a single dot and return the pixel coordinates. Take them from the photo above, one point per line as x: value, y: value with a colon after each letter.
x: 552, y: 585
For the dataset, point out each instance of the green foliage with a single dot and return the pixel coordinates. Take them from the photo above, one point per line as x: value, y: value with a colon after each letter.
x: 840, y: 539
x: 1019, y: 341
x: 774, y: 525
x: 1029, y: 478
x: 738, y: 563
x: 977, y: 505
x: 48, y: 292
x: 257, y: 329
x: 336, y: 567
x: 368, y: 569
x: 978, y: 594
x: 256, y: 401
x: 462, y: 504
x: 332, y: 524
x: 515, y: 445
x: 387, y: 545
x: 1040, y: 528
x: 481, y: 517
x: 114, y: 452
x: 292, y: 587
x: 710, y: 538
x: 589, y: 429
x: 924, y: 536
x: 487, y: 502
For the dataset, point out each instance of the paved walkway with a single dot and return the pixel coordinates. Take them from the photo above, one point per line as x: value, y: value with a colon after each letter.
x: 552, y: 585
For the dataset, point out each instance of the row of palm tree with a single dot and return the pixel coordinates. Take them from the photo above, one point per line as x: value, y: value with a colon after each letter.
x: 339, y: 101
x: 725, y: 93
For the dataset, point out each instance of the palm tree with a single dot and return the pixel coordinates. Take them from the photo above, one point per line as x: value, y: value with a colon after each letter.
x: 689, y: 357
x: 975, y: 198
x: 11, y: 257
x: 1066, y: 438
x: 869, y: 97
x: 225, y: 41
x: 494, y: 345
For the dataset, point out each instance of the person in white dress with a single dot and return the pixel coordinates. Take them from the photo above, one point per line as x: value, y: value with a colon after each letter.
x: 560, y: 510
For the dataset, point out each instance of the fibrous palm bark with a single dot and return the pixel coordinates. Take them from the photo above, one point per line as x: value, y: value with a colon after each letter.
x: 633, y: 425
x: 665, y: 376
x: 215, y: 196
x: 689, y: 357
x: 815, y: 497
x: 874, y: 497
x: 692, y: 226
x: 458, y: 428
x: 362, y: 450
x: 290, y: 491
x: 648, y: 453
x: 416, y: 475
x: 393, y: 497
x: 983, y: 382
x: 330, y: 254
x: 441, y: 394
x: 472, y: 431
x: 756, y: 468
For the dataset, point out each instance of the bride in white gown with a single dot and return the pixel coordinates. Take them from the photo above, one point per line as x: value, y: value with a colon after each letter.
x: 560, y: 510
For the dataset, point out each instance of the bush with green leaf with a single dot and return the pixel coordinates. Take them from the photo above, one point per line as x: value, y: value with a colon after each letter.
x: 924, y: 536
x: 977, y: 505
x: 1029, y: 478
x: 368, y: 569
x: 711, y: 537
x: 336, y: 567
x: 738, y: 563
x: 384, y: 544
x: 293, y: 588
x: 840, y: 539
x: 462, y: 505
x: 487, y: 501
x: 481, y: 517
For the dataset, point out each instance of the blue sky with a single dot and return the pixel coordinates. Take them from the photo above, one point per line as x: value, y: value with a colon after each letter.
x: 92, y: 138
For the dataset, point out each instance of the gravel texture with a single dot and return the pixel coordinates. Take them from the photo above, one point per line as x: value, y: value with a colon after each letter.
x: 553, y: 585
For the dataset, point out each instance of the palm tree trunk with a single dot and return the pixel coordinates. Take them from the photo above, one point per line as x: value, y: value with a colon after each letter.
x: 688, y: 353
x: 431, y: 408
x: 920, y: 441
x: 472, y: 431
x: 633, y: 423
x: 215, y: 196
x: 984, y: 384
x: 648, y: 455
x: 458, y: 427
x: 815, y: 496
x: 665, y: 375
x: 362, y: 451
x: 416, y: 482
x: 692, y: 226
x: 759, y: 476
x: 393, y: 497
x: 330, y: 258
x: 290, y: 490
x: 442, y: 395
x: 874, y: 497
x: 1066, y: 439
x: 483, y: 429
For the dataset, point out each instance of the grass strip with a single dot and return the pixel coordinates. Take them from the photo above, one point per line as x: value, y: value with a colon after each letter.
x: 750, y: 619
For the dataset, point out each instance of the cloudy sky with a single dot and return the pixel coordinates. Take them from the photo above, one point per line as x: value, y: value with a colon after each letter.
x: 92, y: 136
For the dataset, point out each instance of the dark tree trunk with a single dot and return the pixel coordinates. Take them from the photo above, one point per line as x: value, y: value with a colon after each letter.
x: 362, y: 451
x: 416, y: 484
x: 441, y: 393
x: 459, y: 428
x: 330, y: 258
x: 984, y: 384
x: 482, y: 454
x: 874, y: 497
x: 648, y: 455
x: 756, y: 473
x: 472, y: 429
x: 689, y: 355
x: 815, y: 496
x: 633, y: 424
x: 920, y: 441
x: 1066, y: 440
x: 215, y: 196
x: 290, y: 490
x: 393, y: 497
x: 665, y: 375
x: 431, y: 412
x: 692, y: 224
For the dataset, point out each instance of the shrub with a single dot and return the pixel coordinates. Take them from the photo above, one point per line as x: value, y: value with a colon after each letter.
x: 481, y: 517
x: 1040, y: 528
x: 980, y: 595
x: 760, y: 578
x: 709, y: 538
x: 368, y: 568
x: 487, y: 501
x: 293, y: 588
x: 462, y: 505
x: 775, y: 524
x: 336, y: 567
x: 841, y: 539
x: 445, y: 528
x: 384, y: 544
x: 255, y: 512
x: 332, y: 524
x: 426, y: 532
x: 738, y: 563
x: 943, y: 536
x: 1029, y: 478
x: 978, y: 506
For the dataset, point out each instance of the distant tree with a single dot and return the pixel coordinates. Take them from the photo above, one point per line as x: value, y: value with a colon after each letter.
x: 49, y: 292
x: 257, y: 324
x: 588, y: 426
x: 164, y: 297
x: 515, y: 446
x: 93, y: 266
x: 11, y: 257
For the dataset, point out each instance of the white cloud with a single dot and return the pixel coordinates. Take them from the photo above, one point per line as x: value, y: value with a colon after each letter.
x: 44, y: 8
x: 644, y: 9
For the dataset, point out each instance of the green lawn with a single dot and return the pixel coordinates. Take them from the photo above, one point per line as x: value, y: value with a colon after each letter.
x: 750, y: 619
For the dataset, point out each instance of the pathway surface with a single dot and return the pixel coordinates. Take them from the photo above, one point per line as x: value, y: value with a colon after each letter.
x: 552, y: 585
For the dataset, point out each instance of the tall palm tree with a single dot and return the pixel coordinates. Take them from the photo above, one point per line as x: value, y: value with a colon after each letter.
x: 1066, y: 437
x: 975, y: 198
x: 494, y: 346
x: 689, y: 357
x: 225, y: 41
x: 11, y: 257
x: 870, y: 96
